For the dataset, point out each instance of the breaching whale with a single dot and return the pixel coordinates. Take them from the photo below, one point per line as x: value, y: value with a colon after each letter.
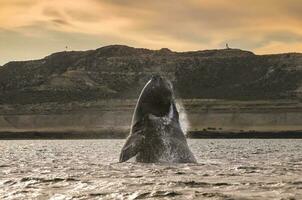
x: 156, y: 134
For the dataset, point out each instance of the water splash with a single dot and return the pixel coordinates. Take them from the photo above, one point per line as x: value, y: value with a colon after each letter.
x: 183, y: 117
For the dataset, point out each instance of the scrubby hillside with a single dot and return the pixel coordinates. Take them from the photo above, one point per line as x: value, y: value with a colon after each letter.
x: 120, y: 72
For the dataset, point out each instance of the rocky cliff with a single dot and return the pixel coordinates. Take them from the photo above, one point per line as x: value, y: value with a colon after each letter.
x: 120, y: 72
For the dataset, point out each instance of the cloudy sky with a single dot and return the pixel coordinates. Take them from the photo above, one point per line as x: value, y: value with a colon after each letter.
x: 32, y: 29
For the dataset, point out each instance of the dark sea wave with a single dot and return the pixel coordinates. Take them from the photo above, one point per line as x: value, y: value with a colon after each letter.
x: 89, y: 169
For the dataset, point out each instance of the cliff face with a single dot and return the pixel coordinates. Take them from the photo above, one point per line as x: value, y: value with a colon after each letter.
x: 120, y: 72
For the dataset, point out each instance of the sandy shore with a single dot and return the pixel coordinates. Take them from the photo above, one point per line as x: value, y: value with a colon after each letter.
x: 201, y: 118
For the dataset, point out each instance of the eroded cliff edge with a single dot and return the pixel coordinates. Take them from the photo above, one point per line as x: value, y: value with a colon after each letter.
x: 120, y: 72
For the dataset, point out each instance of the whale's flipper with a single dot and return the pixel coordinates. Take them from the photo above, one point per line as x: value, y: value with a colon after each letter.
x: 131, y: 147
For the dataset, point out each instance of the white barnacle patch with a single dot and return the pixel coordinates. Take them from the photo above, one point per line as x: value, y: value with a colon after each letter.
x: 160, y: 120
x: 166, y: 120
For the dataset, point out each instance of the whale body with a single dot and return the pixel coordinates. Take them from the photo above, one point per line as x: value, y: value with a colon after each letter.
x: 156, y: 134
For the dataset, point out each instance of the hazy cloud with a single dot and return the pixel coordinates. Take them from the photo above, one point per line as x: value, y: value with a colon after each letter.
x: 269, y: 26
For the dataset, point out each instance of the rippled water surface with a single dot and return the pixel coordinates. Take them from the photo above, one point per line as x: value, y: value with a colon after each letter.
x: 88, y: 169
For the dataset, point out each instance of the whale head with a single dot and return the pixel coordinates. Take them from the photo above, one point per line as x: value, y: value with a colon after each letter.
x: 156, y: 99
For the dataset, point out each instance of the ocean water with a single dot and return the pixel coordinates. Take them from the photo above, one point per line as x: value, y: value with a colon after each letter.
x: 89, y: 169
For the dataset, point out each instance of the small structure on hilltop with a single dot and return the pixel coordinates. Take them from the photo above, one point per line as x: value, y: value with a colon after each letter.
x: 227, y: 46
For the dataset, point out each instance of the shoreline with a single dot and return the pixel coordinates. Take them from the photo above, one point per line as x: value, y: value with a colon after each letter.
x: 111, y: 119
x: 119, y: 134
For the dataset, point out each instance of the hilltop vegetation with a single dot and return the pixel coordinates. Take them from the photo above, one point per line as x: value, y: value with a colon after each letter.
x: 120, y: 72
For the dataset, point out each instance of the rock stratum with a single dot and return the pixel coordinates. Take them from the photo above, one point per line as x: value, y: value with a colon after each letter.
x: 120, y: 72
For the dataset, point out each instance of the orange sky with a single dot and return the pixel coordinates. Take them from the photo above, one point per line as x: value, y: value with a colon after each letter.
x: 31, y: 29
